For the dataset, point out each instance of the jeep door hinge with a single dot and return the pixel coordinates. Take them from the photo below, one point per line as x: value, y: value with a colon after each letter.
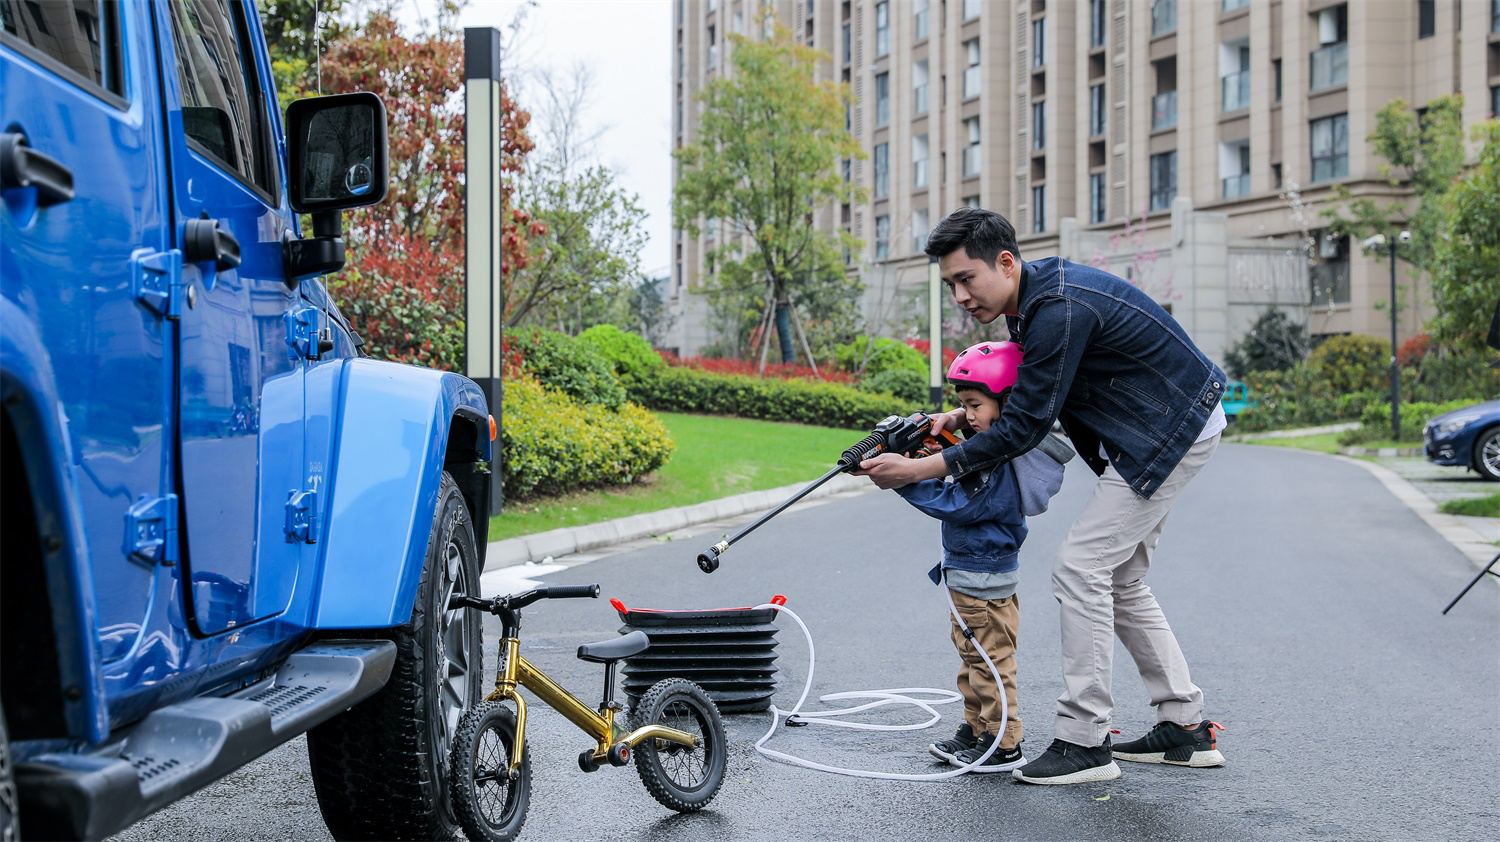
x: 151, y: 531
x: 302, y: 517
x: 157, y: 279
x: 302, y: 332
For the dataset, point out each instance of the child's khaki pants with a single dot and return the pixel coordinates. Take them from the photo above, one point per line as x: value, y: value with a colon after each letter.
x: 994, y: 623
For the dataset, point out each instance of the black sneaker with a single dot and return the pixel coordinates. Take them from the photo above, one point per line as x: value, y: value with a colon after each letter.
x: 1003, y: 760
x: 1171, y: 743
x: 947, y: 750
x: 1067, y: 763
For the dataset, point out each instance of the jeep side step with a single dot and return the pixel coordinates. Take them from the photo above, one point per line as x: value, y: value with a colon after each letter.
x: 181, y: 748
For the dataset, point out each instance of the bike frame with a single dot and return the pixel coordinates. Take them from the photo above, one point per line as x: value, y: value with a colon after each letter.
x: 519, y: 672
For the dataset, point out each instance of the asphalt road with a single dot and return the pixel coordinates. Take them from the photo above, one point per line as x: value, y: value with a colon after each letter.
x: 1305, y: 596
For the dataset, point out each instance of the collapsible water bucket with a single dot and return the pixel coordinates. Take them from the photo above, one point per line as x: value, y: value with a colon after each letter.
x: 729, y: 652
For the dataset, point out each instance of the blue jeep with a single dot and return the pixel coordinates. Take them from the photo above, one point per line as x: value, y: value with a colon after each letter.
x: 224, y: 526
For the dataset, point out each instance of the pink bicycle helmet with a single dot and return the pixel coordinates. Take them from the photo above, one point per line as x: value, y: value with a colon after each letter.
x: 988, y: 366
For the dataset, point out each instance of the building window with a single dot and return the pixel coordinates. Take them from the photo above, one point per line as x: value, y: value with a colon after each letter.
x: 1276, y: 179
x: 1163, y: 17
x: 713, y: 4
x: 1164, y: 110
x: 919, y: 161
x: 882, y: 237
x: 1426, y: 18
x: 1163, y: 180
x: 1234, y: 72
x: 848, y: 45
x: 882, y: 99
x: 1495, y: 15
x: 1495, y: 102
x: 1039, y: 42
x: 1330, y: 61
x: 1276, y: 79
x: 971, y: 9
x: 971, y: 71
x: 919, y: 229
x: 1098, y: 108
x: 971, y: 151
x: 1039, y: 209
x: 919, y: 87
x: 1096, y: 23
x: 1231, y: 5
x: 882, y: 187
x: 713, y: 49
x: 1096, y: 198
x: 971, y: 201
x: 882, y: 28
x: 1038, y: 125
x: 738, y: 26
x: 1330, y: 276
x: 1330, y: 147
x: 920, y: 8
x: 1234, y: 168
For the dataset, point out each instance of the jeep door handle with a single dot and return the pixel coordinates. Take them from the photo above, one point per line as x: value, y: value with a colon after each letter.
x: 205, y: 241
x: 22, y: 166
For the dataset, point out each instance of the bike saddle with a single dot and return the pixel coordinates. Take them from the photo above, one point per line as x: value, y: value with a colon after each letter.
x: 609, y: 651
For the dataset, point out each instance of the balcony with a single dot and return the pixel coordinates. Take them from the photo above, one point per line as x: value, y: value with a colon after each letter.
x: 919, y: 99
x: 1330, y: 66
x: 919, y: 173
x: 1236, y: 186
x: 1164, y: 110
x: 971, y: 81
x: 1236, y: 88
x: 971, y: 161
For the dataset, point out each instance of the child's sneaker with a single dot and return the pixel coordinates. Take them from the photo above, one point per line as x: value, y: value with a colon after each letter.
x: 947, y: 750
x: 1171, y: 743
x: 1069, y: 763
x: 1003, y: 760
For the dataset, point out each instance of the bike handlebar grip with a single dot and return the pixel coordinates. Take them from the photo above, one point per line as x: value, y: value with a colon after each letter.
x: 572, y: 591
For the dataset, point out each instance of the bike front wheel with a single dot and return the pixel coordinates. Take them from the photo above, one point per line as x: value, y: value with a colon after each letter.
x: 490, y: 805
x: 681, y: 778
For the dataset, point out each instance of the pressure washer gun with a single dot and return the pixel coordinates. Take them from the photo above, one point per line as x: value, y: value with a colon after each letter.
x: 909, y: 436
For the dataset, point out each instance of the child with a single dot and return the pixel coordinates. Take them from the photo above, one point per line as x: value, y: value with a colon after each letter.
x: 983, y: 528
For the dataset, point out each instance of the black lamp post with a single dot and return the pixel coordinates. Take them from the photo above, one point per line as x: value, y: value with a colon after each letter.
x: 1395, y: 362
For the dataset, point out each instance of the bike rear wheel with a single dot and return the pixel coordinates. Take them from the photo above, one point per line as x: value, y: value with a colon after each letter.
x: 489, y: 806
x: 681, y: 778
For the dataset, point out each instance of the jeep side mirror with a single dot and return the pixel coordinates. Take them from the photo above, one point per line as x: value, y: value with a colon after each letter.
x: 336, y: 147
x: 336, y: 160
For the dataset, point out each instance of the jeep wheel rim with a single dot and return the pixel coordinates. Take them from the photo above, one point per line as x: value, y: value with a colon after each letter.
x: 454, y: 669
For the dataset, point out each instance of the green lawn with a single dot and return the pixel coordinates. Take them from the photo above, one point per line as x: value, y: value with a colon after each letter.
x: 1473, y: 506
x: 716, y: 457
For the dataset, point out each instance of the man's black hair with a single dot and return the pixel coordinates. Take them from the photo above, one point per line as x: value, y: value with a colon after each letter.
x: 982, y: 234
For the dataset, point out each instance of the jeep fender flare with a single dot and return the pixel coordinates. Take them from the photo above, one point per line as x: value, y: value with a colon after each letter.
x: 28, y: 395
x: 392, y: 443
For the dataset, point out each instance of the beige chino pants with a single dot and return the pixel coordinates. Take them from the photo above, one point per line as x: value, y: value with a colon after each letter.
x: 995, y: 623
x: 1098, y: 582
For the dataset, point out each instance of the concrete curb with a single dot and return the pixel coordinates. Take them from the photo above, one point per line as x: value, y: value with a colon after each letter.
x: 1380, y: 451
x: 1292, y: 434
x: 578, y: 539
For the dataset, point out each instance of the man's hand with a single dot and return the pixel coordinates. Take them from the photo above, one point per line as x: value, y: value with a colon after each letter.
x: 892, y: 470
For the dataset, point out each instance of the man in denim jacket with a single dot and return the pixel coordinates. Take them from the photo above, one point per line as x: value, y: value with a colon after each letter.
x: 1141, y: 403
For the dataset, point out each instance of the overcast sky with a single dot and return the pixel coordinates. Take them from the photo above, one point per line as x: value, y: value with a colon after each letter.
x: 627, y: 46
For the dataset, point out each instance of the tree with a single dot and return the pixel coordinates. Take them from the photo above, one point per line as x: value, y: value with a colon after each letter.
x: 1274, y: 343
x: 765, y: 157
x: 579, y: 273
x: 1466, y: 265
x: 404, y: 286
x: 1427, y: 155
x: 297, y: 32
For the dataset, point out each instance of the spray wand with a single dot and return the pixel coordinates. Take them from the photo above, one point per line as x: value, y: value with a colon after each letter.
x: 909, y: 436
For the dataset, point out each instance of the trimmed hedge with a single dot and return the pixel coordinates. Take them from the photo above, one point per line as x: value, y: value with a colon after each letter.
x: 564, y: 363
x: 675, y: 389
x: 551, y: 443
x: 631, y: 355
x: 1376, y: 420
x: 905, y: 384
x: 888, y: 355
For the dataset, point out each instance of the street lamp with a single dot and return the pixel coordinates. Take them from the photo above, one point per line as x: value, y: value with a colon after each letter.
x: 1374, y: 244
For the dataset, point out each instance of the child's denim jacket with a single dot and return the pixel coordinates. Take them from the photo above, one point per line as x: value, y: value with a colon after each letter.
x: 983, y: 533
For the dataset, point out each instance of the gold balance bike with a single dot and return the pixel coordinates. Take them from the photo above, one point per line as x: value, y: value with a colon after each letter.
x: 675, y: 734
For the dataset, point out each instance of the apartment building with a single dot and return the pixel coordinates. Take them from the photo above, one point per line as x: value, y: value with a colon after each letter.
x: 1187, y: 145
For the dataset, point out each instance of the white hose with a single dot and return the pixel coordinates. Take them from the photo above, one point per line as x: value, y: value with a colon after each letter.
x: 900, y: 695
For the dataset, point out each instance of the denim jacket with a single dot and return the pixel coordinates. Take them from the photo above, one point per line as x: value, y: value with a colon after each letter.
x: 1111, y: 364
